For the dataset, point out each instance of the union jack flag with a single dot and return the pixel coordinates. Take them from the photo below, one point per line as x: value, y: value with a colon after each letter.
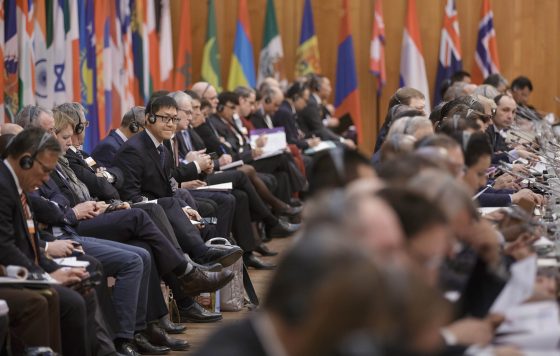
x: 486, y: 60
x: 450, y: 60
x: 377, y: 47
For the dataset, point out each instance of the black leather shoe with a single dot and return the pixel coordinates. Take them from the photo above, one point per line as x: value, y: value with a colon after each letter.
x: 196, y: 281
x: 157, y: 336
x: 170, y: 327
x: 126, y: 348
x: 146, y: 348
x: 251, y: 260
x: 290, y: 210
x: 225, y: 257
x: 263, y: 250
x: 283, y: 229
x: 197, y: 314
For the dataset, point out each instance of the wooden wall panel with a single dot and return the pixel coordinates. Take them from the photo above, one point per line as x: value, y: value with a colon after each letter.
x: 528, y: 35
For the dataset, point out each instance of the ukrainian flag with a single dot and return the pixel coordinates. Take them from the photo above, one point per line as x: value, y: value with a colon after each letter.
x: 307, y: 54
x: 242, y: 67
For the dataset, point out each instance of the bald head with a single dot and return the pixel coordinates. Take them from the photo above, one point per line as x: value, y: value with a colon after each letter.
x: 10, y: 129
x: 206, y: 91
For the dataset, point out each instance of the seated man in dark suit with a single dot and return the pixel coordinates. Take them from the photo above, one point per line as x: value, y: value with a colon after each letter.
x: 132, y: 122
x: 30, y: 157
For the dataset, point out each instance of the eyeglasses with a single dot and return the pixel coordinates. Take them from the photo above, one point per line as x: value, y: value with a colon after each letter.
x: 187, y: 112
x: 232, y: 107
x: 44, y: 167
x: 167, y: 119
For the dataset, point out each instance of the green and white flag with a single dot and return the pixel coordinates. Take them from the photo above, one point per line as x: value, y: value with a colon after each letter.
x: 211, y: 56
x: 272, y: 55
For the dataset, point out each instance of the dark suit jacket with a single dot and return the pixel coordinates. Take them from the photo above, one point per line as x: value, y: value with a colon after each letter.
x: 99, y: 187
x: 311, y: 121
x: 15, y: 243
x: 105, y: 151
x: 229, y: 134
x: 139, y: 161
x: 257, y: 119
x: 285, y: 118
x: 236, y: 339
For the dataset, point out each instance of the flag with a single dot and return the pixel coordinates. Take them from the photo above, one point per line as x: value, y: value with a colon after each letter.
x: 122, y: 69
x: 152, y: 46
x: 26, y: 67
x: 211, y: 55
x: 450, y: 60
x: 43, y: 60
x: 182, y: 73
x: 242, y: 67
x: 88, y: 70
x: 58, y: 69
x: 307, y: 53
x: 72, y: 30
x: 413, y: 69
x: 347, y: 97
x: 486, y: 59
x: 140, y: 49
x: 11, y: 58
x: 377, y: 47
x: 103, y: 67
x: 2, y: 60
x: 165, y: 47
x: 272, y: 54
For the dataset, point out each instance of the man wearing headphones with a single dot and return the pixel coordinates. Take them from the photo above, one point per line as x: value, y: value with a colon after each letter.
x: 30, y: 158
x: 132, y: 123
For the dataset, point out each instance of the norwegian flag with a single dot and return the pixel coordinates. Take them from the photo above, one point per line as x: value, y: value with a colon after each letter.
x: 486, y: 59
x: 377, y: 47
x: 450, y: 60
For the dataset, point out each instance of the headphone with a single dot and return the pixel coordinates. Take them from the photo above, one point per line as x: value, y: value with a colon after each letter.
x: 267, y: 100
x: 34, y: 111
x: 134, y: 126
x: 26, y: 162
x: 151, y: 116
x: 220, y: 107
x: 80, y: 126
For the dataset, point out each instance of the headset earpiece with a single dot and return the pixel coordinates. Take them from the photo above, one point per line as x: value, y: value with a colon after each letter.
x: 220, y: 108
x: 267, y: 100
x: 151, y: 119
x: 26, y: 162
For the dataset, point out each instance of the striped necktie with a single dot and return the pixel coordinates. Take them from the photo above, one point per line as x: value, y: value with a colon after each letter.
x: 30, y: 225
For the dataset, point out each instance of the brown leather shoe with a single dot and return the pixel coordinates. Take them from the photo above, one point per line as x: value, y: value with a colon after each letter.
x: 197, y: 282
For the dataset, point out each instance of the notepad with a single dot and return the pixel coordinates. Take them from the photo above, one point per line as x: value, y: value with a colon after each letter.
x: 221, y: 186
x: 231, y: 165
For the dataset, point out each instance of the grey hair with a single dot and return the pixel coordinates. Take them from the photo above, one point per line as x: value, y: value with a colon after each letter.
x: 408, y: 125
x: 27, y: 116
x: 179, y: 96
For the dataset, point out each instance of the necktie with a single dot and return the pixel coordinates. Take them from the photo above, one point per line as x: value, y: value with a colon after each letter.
x: 30, y: 224
x: 161, y: 155
x: 175, y: 149
x: 268, y: 121
x: 187, y: 137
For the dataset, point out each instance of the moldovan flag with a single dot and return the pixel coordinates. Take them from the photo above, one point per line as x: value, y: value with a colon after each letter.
x: 2, y: 60
x: 26, y: 67
x: 272, y: 54
x: 413, y: 69
x: 307, y: 53
x: 165, y: 47
x: 347, y: 96
x: 449, y: 48
x: 211, y: 56
x: 182, y: 74
x: 242, y: 67
x: 486, y: 59
x: 377, y: 47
